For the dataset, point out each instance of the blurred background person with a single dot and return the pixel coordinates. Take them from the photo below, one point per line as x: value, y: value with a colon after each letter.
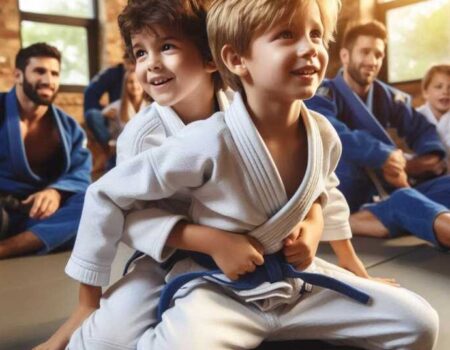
x: 436, y: 93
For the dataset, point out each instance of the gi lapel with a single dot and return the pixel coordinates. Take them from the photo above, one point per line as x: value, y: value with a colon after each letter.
x: 361, y: 116
x: 282, y: 214
x: 16, y: 146
x: 17, y: 153
x: 173, y: 123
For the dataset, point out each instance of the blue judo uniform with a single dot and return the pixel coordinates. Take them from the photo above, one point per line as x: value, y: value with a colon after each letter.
x: 362, y: 126
x: 107, y: 81
x: 70, y: 173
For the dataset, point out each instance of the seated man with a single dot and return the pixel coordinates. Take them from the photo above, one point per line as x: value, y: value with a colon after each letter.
x: 110, y: 82
x: 44, y: 164
x: 362, y: 109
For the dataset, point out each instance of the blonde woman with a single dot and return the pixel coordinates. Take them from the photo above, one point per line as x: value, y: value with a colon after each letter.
x: 121, y: 111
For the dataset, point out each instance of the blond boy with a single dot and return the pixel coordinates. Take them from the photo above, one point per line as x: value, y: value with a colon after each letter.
x: 257, y: 170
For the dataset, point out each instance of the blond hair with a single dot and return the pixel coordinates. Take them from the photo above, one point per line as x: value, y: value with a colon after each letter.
x: 438, y: 68
x: 236, y: 22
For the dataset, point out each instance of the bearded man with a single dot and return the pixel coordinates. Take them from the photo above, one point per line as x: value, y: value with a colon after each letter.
x: 388, y: 191
x: 44, y: 164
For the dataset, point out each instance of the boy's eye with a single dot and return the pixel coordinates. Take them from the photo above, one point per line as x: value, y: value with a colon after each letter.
x: 285, y: 34
x: 139, y: 53
x: 316, y: 34
x: 167, y: 47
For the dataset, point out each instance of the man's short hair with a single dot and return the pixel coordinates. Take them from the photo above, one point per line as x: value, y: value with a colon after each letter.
x: 236, y: 22
x: 36, y: 50
x: 354, y: 30
x: 438, y: 68
x: 188, y: 17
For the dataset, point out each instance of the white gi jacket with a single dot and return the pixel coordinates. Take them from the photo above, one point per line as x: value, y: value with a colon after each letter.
x: 226, y: 170
x: 442, y: 125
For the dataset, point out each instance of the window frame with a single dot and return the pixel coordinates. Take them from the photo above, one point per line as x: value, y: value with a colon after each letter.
x: 92, y: 28
x: 381, y: 10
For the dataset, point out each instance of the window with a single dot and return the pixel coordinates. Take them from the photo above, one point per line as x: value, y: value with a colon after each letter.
x: 71, y: 26
x: 419, y: 36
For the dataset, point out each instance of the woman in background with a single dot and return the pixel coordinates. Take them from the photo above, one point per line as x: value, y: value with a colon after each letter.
x: 121, y: 111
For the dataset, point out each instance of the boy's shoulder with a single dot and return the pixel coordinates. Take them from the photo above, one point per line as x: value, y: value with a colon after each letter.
x: 209, y: 137
x: 143, y: 131
x: 206, y: 129
x: 327, y: 132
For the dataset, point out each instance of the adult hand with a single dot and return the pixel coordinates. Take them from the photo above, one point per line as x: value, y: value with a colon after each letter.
x: 427, y: 165
x: 43, y: 203
x: 393, y: 169
x: 396, y: 179
x: 395, y: 163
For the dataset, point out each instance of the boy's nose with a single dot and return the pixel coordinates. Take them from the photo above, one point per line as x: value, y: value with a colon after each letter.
x: 306, y: 48
x: 154, y: 63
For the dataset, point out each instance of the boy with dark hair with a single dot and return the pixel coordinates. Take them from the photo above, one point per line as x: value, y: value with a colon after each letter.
x: 45, y: 166
x: 168, y: 43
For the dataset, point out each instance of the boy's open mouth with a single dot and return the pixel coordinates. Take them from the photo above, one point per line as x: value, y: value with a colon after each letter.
x: 309, y: 70
x: 159, y: 81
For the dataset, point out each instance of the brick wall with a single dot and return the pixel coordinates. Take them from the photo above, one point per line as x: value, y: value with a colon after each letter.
x: 110, y: 48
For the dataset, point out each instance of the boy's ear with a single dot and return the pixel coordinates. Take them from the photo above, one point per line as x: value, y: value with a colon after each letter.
x: 211, y: 67
x: 234, y: 62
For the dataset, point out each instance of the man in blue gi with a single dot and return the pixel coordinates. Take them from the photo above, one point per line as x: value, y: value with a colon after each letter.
x: 414, y: 193
x: 109, y: 82
x: 44, y: 164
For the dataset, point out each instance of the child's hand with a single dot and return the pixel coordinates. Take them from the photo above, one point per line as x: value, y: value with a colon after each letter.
x: 237, y: 254
x: 388, y: 281
x: 300, y: 247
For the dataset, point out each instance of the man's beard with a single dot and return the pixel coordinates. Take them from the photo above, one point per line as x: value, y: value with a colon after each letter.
x: 32, y: 93
x: 354, y: 72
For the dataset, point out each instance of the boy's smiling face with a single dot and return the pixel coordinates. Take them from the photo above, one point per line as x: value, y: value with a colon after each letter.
x: 438, y: 93
x: 170, y: 67
x: 289, y: 59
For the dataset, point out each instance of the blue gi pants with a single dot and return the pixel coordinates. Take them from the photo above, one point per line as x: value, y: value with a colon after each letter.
x: 58, y: 230
x: 414, y: 209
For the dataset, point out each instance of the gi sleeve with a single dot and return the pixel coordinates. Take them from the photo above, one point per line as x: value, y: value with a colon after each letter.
x: 335, y: 209
x: 420, y: 135
x: 152, y: 175
x: 144, y: 227
x: 101, y: 83
x: 358, y: 146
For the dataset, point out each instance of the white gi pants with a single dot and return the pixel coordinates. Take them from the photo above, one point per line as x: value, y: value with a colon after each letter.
x: 127, y: 310
x: 209, y: 318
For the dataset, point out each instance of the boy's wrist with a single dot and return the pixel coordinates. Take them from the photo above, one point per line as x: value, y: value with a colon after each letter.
x: 193, y: 237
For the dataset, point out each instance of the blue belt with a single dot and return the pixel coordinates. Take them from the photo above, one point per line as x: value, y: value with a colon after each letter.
x: 275, y: 269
